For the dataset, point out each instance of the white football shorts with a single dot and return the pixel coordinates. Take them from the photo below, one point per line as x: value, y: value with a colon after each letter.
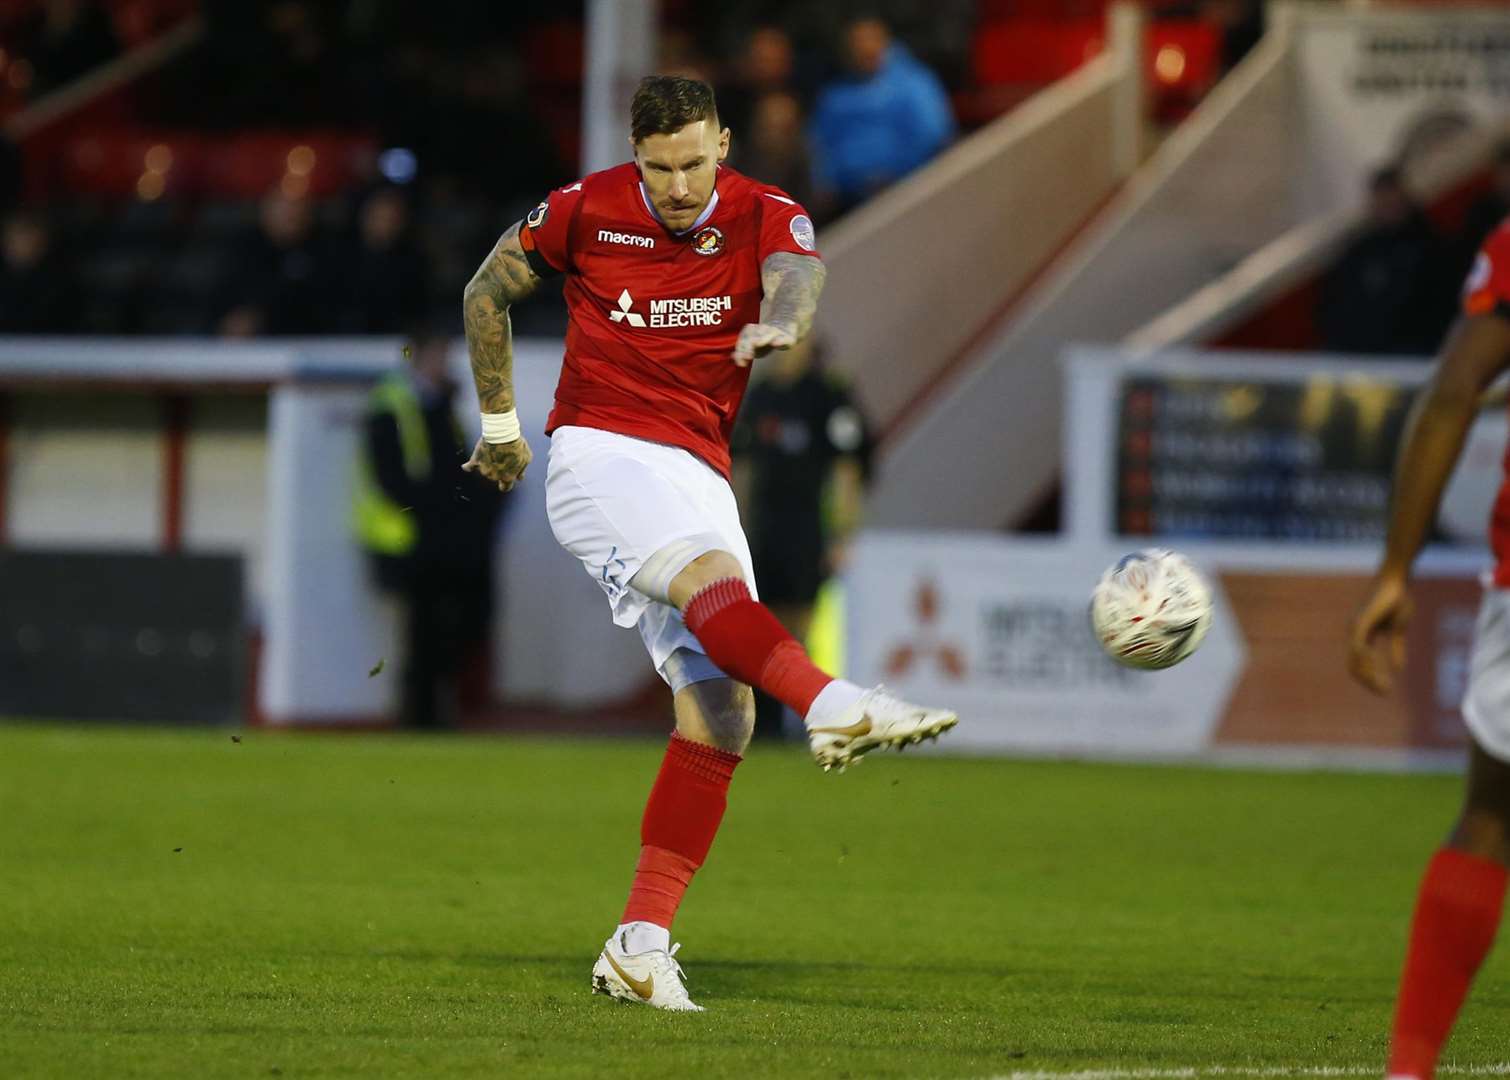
x: 635, y: 514
x: 1486, y: 705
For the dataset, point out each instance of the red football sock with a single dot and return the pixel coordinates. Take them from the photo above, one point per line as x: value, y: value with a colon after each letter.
x: 681, y: 818
x: 1457, y: 914
x: 745, y: 640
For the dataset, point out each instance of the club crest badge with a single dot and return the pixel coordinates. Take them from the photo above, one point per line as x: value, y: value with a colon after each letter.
x: 708, y: 241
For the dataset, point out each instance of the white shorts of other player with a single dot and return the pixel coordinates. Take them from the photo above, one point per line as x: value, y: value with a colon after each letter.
x: 1486, y: 705
x: 635, y: 514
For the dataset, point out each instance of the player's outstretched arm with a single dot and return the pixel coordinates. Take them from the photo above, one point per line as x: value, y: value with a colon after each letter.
x: 503, y: 279
x: 792, y: 284
x: 1476, y: 353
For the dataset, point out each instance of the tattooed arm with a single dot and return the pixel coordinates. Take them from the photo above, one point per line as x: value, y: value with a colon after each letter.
x: 504, y: 278
x: 792, y: 285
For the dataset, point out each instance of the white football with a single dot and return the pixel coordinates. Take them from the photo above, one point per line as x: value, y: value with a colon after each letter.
x: 1150, y: 609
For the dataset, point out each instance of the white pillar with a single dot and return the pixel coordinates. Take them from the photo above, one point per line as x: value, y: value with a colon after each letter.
x: 620, y: 43
x: 1124, y: 39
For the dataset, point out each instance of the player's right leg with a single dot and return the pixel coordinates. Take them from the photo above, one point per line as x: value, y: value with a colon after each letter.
x: 743, y: 638
x: 1457, y: 915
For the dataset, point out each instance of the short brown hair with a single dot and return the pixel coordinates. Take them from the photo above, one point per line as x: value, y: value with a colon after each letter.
x: 664, y: 104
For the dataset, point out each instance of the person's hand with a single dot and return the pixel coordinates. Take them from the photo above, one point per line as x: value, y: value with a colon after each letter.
x: 757, y: 339
x: 502, y: 463
x: 1376, y: 648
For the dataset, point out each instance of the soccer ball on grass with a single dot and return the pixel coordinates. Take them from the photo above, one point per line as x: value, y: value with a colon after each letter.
x: 1150, y: 609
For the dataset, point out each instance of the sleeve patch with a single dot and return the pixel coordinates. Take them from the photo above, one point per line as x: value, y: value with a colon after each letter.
x: 1478, y: 291
x: 803, y: 232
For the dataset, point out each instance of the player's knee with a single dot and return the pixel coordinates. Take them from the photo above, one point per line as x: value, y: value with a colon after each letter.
x: 720, y: 712
x: 703, y: 571
x: 1484, y: 831
x: 736, y: 724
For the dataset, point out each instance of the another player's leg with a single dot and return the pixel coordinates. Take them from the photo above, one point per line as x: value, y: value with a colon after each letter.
x: 1457, y: 915
x: 714, y: 719
x: 744, y: 639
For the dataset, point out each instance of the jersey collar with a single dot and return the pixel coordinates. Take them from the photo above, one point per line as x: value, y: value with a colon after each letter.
x: 701, y: 218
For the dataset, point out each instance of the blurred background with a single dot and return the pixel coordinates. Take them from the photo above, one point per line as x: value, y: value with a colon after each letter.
x: 1101, y: 276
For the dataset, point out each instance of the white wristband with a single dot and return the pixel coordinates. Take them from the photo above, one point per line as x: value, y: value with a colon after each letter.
x: 500, y: 427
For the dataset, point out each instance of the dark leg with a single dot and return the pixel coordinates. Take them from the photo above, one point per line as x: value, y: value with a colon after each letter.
x: 1483, y: 827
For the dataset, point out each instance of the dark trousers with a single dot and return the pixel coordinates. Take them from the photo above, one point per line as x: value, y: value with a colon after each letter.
x: 445, y: 619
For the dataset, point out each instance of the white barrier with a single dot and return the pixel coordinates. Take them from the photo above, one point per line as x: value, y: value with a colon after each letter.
x: 997, y: 628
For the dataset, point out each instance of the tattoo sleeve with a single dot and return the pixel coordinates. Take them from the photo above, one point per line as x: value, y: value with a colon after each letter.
x: 503, y: 279
x: 792, y: 284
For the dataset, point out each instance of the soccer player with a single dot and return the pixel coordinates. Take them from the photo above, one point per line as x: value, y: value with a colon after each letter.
x: 679, y: 272
x: 1462, y: 894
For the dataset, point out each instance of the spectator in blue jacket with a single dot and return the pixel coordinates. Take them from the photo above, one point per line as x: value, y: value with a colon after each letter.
x: 883, y: 119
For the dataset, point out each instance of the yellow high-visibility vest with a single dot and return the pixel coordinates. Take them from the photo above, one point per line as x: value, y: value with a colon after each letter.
x: 825, y: 634
x: 382, y: 526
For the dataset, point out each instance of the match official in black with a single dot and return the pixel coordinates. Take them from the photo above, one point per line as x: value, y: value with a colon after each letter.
x: 801, y: 453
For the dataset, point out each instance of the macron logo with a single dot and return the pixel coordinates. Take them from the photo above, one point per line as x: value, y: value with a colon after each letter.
x: 624, y: 313
x: 608, y: 236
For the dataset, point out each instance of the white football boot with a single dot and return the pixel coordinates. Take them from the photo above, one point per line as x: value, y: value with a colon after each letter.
x: 651, y: 978
x: 876, y: 719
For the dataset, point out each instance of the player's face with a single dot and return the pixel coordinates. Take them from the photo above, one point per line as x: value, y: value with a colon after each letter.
x: 679, y: 170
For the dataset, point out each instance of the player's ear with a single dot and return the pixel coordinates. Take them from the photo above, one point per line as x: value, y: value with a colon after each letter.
x: 723, y: 144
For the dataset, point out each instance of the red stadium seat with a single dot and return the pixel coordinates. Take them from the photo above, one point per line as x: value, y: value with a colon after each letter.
x: 1033, y: 51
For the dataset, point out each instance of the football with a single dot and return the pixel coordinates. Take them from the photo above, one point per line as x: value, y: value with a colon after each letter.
x: 1150, y: 609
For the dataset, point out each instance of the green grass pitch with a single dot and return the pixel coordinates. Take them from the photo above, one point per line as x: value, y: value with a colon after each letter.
x: 181, y: 904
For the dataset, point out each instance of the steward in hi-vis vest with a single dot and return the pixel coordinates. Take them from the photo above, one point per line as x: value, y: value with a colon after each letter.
x: 427, y: 526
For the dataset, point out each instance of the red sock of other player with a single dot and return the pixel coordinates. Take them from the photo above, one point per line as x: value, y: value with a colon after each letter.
x: 681, y: 818
x: 743, y: 638
x: 1457, y: 915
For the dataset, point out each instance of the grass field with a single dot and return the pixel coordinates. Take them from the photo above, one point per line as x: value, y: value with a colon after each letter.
x: 179, y: 904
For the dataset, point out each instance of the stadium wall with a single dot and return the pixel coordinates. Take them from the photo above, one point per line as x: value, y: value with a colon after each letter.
x: 210, y: 448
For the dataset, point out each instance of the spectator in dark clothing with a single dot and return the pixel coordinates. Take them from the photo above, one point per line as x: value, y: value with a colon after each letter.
x: 1391, y: 290
x: 889, y: 115
x: 428, y: 529
x: 471, y: 121
x: 1491, y: 208
x: 384, y: 279
x: 774, y: 147
x: 67, y: 39
x: 10, y: 174
x: 282, y: 280
x: 766, y: 65
x: 801, y: 450
x: 34, y: 283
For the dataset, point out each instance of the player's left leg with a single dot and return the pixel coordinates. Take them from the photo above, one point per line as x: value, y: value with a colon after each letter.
x: 1457, y: 916
x: 714, y: 718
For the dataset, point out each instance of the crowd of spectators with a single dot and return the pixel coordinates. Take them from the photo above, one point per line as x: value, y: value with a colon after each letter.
x: 1394, y: 289
x: 830, y: 106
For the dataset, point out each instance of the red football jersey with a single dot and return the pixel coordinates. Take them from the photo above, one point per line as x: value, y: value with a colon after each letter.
x: 1487, y: 292
x: 654, y: 314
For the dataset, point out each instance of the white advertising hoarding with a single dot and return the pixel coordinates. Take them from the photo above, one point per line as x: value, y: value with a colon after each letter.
x: 997, y: 628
